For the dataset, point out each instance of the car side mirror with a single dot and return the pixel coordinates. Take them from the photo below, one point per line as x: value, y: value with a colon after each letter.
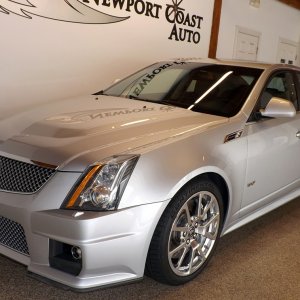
x: 279, y: 108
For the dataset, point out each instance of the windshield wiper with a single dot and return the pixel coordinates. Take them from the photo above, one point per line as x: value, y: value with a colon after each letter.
x: 172, y: 103
x: 100, y: 93
x: 136, y: 98
x: 154, y: 101
x: 141, y: 99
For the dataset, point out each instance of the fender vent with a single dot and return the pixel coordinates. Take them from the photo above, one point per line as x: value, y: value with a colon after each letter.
x: 232, y: 136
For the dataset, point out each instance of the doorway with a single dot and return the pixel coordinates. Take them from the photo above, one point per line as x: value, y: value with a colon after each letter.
x: 287, y: 52
x: 246, y: 44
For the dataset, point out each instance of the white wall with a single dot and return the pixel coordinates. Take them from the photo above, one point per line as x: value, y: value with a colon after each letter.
x: 44, y: 59
x: 48, y: 51
x: 272, y: 19
x: 299, y: 52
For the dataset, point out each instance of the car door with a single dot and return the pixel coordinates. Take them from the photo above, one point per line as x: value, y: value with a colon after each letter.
x: 273, y: 164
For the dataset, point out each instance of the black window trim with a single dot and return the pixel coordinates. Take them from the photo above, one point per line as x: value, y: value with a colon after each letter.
x: 254, y: 114
x: 297, y: 87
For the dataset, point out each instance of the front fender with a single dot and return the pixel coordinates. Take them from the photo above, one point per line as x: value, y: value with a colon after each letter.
x: 162, y: 172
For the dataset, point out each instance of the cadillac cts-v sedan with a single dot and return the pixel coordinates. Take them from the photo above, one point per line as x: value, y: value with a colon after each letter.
x: 145, y: 176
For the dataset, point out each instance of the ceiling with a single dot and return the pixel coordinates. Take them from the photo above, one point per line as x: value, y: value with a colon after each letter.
x: 293, y: 3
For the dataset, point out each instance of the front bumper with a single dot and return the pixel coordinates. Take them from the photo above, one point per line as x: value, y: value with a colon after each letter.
x: 114, y: 244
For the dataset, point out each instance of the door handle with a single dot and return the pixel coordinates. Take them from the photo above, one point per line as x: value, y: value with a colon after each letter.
x: 298, y: 134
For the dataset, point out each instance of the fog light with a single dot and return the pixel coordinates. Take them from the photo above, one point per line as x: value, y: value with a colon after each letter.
x: 65, y: 257
x: 76, y: 252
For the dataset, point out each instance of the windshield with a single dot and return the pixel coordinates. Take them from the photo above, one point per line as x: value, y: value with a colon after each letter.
x: 208, y: 88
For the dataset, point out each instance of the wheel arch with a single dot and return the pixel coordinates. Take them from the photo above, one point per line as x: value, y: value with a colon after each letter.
x: 224, y: 189
x: 222, y: 185
x: 218, y: 178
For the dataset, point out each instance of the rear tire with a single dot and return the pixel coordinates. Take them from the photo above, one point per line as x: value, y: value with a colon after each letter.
x: 187, y: 233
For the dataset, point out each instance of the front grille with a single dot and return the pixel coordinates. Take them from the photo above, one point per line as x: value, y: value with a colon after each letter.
x: 12, y: 235
x: 20, y: 177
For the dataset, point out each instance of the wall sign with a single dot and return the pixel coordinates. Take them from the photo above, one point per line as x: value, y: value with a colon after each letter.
x: 57, y: 49
x: 185, y: 25
x: 60, y: 10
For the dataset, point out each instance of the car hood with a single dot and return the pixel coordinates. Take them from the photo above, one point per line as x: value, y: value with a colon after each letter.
x: 72, y: 133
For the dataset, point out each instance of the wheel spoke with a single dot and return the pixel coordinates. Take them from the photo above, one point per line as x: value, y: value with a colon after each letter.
x: 213, y: 218
x: 199, y: 207
x: 180, y: 247
x: 191, y: 262
x: 187, y: 211
x: 207, y: 207
x: 201, y: 254
x: 182, y: 258
x: 213, y: 232
x: 180, y: 229
x: 210, y: 235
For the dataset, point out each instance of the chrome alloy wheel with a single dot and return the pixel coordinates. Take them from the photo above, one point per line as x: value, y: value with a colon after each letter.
x: 193, y: 233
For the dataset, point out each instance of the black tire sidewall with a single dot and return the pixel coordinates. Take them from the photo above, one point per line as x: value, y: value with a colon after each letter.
x: 166, y: 223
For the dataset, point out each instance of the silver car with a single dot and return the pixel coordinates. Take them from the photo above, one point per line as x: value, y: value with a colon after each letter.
x: 145, y: 176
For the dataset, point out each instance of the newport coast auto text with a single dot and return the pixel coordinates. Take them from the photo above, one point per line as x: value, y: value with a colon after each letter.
x: 186, y: 26
x: 86, y: 116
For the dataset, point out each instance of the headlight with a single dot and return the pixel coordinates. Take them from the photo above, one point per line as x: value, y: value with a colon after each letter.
x: 102, y: 185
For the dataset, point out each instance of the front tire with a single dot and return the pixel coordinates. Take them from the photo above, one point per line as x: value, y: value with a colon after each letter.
x: 187, y: 233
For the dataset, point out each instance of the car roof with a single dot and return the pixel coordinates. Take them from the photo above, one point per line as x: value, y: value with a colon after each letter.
x: 248, y: 64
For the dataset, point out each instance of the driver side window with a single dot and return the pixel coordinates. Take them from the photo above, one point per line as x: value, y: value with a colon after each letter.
x: 280, y: 85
